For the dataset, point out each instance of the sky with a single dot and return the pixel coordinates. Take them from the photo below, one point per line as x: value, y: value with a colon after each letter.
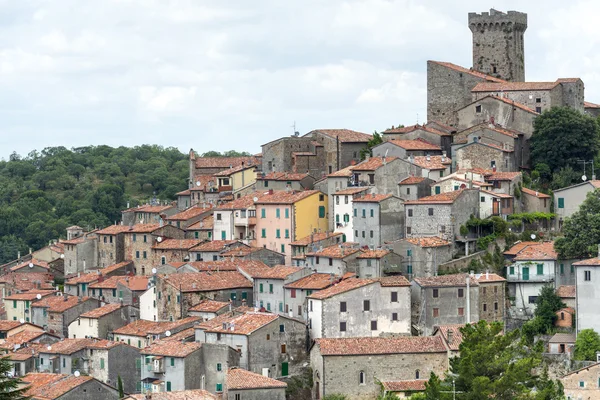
x: 235, y: 74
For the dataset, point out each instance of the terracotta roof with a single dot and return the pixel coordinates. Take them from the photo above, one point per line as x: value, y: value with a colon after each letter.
x: 8, y: 325
x: 209, y: 306
x: 566, y: 291
x: 497, y: 194
x: 31, y: 295
x: 186, y: 192
x: 35, y: 262
x: 176, y: 244
x: 455, y: 337
x: 315, y: 237
x: 113, y: 230
x: 489, y: 277
x: 22, y: 338
x: 205, y: 182
x: 282, y: 176
x: 243, y: 324
x: 350, y: 191
x: 380, y: 345
x: 226, y: 162
x: 342, y: 287
x: 345, y: 135
x: 212, y: 246
x: 517, y: 247
x: 503, y: 176
x: 432, y: 241
x: 206, y: 223
x: 514, y: 104
x: 432, y: 162
x: 28, y: 280
x: 285, y: 197
x: 240, y: 379
x: 334, y: 251
x: 52, y: 386
x: 135, y: 283
x: 372, y: 198
x: 101, y: 311
x: 190, y: 213
x: 171, y: 348
x: 538, y: 251
x: 192, y: 394
x: 416, y: 127
x: 513, y: 86
x: 414, y: 385
x: 380, y: 253
x: 445, y: 280
x: 241, y: 251
x: 392, y: 281
x: 219, y: 266
x: 587, y: 104
x: 471, y: 71
x: 590, y: 261
x: 208, y: 282
x: 373, y: 163
x: 143, y: 328
x: 67, y: 346
x: 233, y: 170
x: 342, y: 172
x: 58, y: 303
x: 114, y: 267
x: 442, y: 198
x: 89, y: 277
x: 411, y: 180
x: 535, y: 193
x: 277, y: 272
x: 312, y: 282
x: 416, y: 144
x: 143, y: 228
x: 563, y: 338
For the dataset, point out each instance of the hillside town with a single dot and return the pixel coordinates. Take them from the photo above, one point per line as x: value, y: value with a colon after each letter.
x: 333, y: 263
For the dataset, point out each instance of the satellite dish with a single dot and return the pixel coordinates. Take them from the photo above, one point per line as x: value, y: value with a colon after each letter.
x: 159, y: 239
x: 62, y: 256
x: 168, y: 333
x: 198, y: 183
x: 255, y: 199
x: 9, y: 374
x: 532, y: 236
x: 30, y: 265
x: 49, y: 348
x: 584, y: 178
x: 154, y: 270
x: 22, y: 321
x: 38, y: 296
x: 76, y: 373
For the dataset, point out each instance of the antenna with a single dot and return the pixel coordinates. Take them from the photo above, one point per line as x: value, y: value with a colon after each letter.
x: 296, y: 133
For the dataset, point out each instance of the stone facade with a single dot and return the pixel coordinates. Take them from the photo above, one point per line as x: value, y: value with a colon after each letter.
x: 278, y: 156
x: 479, y: 155
x: 58, y: 321
x: 81, y: 254
x: 422, y: 258
x: 139, y: 242
x: 583, y: 383
x: 378, y: 219
x: 111, y: 249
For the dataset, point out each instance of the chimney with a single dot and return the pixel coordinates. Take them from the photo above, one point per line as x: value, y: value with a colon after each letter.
x: 270, y: 191
x: 450, y: 335
x: 18, y: 255
x: 599, y: 251
x: 487, y: 275
x: 30, y: 250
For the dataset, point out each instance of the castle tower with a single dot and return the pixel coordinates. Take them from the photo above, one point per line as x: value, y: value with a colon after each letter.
x: 498, y: 48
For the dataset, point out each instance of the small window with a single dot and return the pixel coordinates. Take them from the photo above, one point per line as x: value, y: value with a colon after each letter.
x: 342, y: 326
x: 282, y: 328
x: 511, y: 270
x: 587, y: 275
x: 343, y: 306
x: 366, y: 305
x: 436, y: 312
x: 417, y: 374
x: 330, y: 261
x: 394, y: 297
x: 408, y: 230
x: 461, y: 292
x: 484, y: 307
x: 410, y: 212
x: 321, y: 197
x: 394, y: 316
x: 219, y: 387
x: 538, y: 99
x: 283, y: 349
x: 374, y: 325
x: 436, y: 293
x: 496, y: 306
x: 361, y: 378
x: 538, y: 110
x: 482, y: 199
x: 461, y: 311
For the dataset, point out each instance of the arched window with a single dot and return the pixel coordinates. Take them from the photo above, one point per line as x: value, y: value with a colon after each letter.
x: 361, y: 378
x: 417, y: 374
x: 562, y: 316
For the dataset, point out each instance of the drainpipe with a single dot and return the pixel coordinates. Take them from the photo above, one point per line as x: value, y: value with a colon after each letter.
x: 337, y: 138
x: 468, y: 281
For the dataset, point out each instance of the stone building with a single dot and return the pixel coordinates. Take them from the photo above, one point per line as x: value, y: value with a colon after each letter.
x: 266, y: 256
x: 433, y: 167
x: 147, y: 213
x: 355, y: 366
x: 361, y: 307
x: 432, y: 133
x: 587, y: 274
x: 336, y: 259
x: 81, y: 252
x: 582, y: 383
x: 312, y: 243
x: 591, y: 109
x: 405, y: 148
x: 67, y: 387
x: 422, y: 255
x: 140, y: 239
x: 534, y: 201
x: 211, y: 165
x: 99, y: 322
x: 567, y: 200
x: 294, y: 154
x: 120, y: 289
x: 414, y: 187
x: 201, y: 230
x: 189, y: 216
x: 378, y: 219
x: 172, y: 250
x: 55, y: 313
x: 296, y: 293
x: 269, y: 286
x: 209, y: 309
x: 142, y: 333
x: 18, y: 305
x: 378, y: 263
x: 111, y: 245
x: 492, y: 296
x: 252, y: 386
x: 211, y: 251
x: 285, y: 180
x: 342, y: 147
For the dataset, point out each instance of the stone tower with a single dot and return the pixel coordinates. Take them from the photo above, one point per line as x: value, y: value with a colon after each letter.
x: 498, y: 48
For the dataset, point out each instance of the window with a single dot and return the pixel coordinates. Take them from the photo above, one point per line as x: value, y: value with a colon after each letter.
x: 430, y: 211
x: 461, y: 292
x: 478, y: 109
x: 436, y: 312
x: 102, y: 363
x: 540, y: 269
x: 371, y: 234
x: 484, y: 307
x: 407, y: 190
x: 363, y: 234
x: 278, y: 233
x: 512, y: 270
x: 368, y: 262
x: 461, y: 311
x: 271, y: 288
x: 438, y: 190
x: 321, y: 211
x: 311, y: 308
x: 277, y: 213
x: 260, y: 288
x: 394, y: 297
x: 337, y: 200
x: 263, y: 213
x: 321, y: 197
x: 219, y: 387
x: 287, y: 233
x: 361, y: 378
x: 268, y: 306
x: 587, y: 275
x: 145, y: 239
x: 532, y: 299
x: 436, y: 293
x: 356, y: 233
x: 293, y: 293
x: 263, y: 233
x: 355, y: 212
x: 561, y: 202
x: 14, y: 304
x: 367, y: 305
x: 409, y: 269
x: 372, y: 179
x: 283, y: 349
x: 345, y: 199
x: 343, y: 306
x: 408, y: 230
x: 374, y: 325
x: 287, y: 212
x: 372, y: 213
x: 496, y: 306
x: 562, y: 269
x: 581, y: 384
x: 417, y: 374
x: 219, y: 368
x: 410, y: 212
x: 280, y: 307
x: 538, y: 110
x: 364, y: 213
x: 134, y: 237
x: 342, y: 326
x: 317, y: 259
x: 137, y: 254
x: 394, y: 316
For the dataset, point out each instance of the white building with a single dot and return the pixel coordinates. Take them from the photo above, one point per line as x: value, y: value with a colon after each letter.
x: 148, y: 310
x: 587, y: 282
x: 342, y: 211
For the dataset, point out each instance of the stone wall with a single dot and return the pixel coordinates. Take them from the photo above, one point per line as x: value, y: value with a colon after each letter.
x: 460, y: 264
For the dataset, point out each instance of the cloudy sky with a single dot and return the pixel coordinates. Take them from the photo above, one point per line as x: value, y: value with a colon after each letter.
x: 234, y: 74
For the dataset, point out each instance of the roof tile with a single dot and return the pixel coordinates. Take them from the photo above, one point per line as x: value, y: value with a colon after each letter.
x: 240, y: 379
x: 380, y: 345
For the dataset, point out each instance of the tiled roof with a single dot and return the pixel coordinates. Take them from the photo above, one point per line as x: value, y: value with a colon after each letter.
x: 243, y: 202
x: 497, y: 194
x: 89, y: 277
x: 74, y: 241
x: 186, y: 192
x: 206, y: 181
x: 488, y: 277
x: 590, y: 261
x: 538, y: 251
x: 170, y: 348
x: 113, y: 230
x: 566, y: 291
x: 206, y: 223
x: 176, y: 244
x: 210, y: 306
x: 135, y: 283
x: 416, y: 127
x: 221, y: 265
x: 432, y: 162
x: 22, y: 338
x: 315, y: 281
x: 31, y: 295
x: 379, y: 253
x: 66, y: 346
x: 414, y: 385
x: 276, y: 272
x: 192, y: 394
x: 513, y: 103
x: 392, y: 281
x: 240, y: 379
x: 345, y: 135
x: 226, y: 162
x: 455, y: 337
x: 252, y: 268
x: 58, y: 303
x: 411, y: 180
x: 208, y: 282
x: 233, y: 170
x: 8, y: 325
x: 372, y: 198
x: 445, y: 280
x: 315, y: 237
x: 45, y: 386
x: 535, y: 193
x: 183, y: 335
x: 587, y: 104
x: 342, y: 172
x: 513, y: 86
x: 373, y: 163
x: 350, y: 191
x: 285, y: 197
x: 334, y: 251
x: 380, y: 345
x: 143, y: 228
x: 503, y: 176
x: 442, y: 198
x: 35, y: 262
x: 471, y: 71
x: 28, y: 280
x: 282, y: 176
x: 342, y: 287
x: 241, y: 251
x: 517, y: 247
x: 190, y: 213
x: 142, y: 327
x: 114, y: 267
x: 243, y: 324
x: 432, y: 241
x: 562, y: 338
x: 416, y: 144
x: 215, y: 245
x: 101, y: 311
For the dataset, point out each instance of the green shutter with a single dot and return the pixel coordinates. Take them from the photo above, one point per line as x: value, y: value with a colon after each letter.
x: 512, y: 270
x: 409, y: 269
x: 263, y: 213
x: 270, y: 288
x: 287, y: 212
x: 14, y: 304
x: 223, y: 235
x: 283, y: 248
x: 219, y: 387
x: 561, y: 202
x: 260, y: 288
x: 372, y: 213
x: 321, y: 211
x: 102, y: 363
x: 438, y: 190
x: 219, y: 367
x: 284, y: 369
x: 244, y: 295
x: 287, y: 233
x: 263, y: 233
x: 168, y: 386
x: 138, y: 363
x: 540, y: 269
x: 278, y: 233
x: 562, y: 269
x: 277, y: 213
x: 172, y: 361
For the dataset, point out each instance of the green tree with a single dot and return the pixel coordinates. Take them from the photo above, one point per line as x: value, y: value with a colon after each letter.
x: 374, y: 141
x: 335, y: 396
x: 563, y: 135
x: 433, y: 388
x: 9, y: 385
x: 574, y: 244
x: 547, y: 304
x: 587, y: 344
x: 120, y: 387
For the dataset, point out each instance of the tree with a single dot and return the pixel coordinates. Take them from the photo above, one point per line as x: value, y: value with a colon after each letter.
x: 547, y: 304
x: 335, y: 396
x: 9, y: 385
x: 587, y: 344
x: 433, y: 388
x: 574, y: 244
x: 120, y: 387
x: 374, y: 141
x: 563, y: 135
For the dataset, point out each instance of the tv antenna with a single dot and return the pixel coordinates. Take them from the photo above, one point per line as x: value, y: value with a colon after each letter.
x: 296, y: 133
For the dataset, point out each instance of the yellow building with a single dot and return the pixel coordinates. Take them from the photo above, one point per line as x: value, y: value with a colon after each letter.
x: 286, y: 216
x: 236, y: 178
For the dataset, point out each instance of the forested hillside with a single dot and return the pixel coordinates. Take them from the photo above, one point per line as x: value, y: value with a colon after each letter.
x: 45, y: 192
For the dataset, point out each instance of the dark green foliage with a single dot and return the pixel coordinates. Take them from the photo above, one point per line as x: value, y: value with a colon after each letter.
x: 587, y: 344
x: 8, y: 385
x: 582, y: 230
x: 299, y: 387
x: 230, y: 153
x: 375, y: 140
x: 433, y: 388
x: 335, y: 396
x: 547, y: 304
x: 561, y: 136
x: 45, y: 192
x: 120, y: 387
